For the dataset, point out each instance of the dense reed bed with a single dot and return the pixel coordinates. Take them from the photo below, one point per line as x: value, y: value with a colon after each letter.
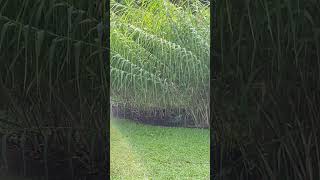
x: 160, y: 56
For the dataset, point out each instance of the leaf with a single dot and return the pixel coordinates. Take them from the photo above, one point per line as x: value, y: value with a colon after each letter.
x: 50, y: 61
x: 3, y: 33
x: 77, y: 49
x: 39, y: 41
x: 39, y: 13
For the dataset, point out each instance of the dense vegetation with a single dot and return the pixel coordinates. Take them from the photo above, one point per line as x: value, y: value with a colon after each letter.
x: 141, y: 151
x: 53, y: 88
x: 266, y: 90
x: 265, y: 84
x: 160, y: 56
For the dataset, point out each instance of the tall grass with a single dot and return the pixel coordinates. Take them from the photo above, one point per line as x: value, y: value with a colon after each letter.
x: 266, y: 91
x: 53, y: 86
x: 160, y: 56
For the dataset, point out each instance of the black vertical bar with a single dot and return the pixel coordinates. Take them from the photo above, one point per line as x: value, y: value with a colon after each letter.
x: 107, y: 58
x: 105, y: 43
x: 213, y: 25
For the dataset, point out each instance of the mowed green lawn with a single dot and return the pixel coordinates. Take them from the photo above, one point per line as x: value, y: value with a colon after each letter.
x: 151, y: 152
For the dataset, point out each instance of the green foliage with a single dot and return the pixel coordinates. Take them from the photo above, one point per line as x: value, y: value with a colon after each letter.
x: 266, y: 91
x: 52, y: 72
x: 160, y: 55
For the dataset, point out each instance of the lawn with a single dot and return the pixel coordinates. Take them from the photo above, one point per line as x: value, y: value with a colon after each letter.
x: 151, y: 152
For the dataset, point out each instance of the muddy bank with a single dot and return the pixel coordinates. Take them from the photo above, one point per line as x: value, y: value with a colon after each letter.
x: 173, y: 117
